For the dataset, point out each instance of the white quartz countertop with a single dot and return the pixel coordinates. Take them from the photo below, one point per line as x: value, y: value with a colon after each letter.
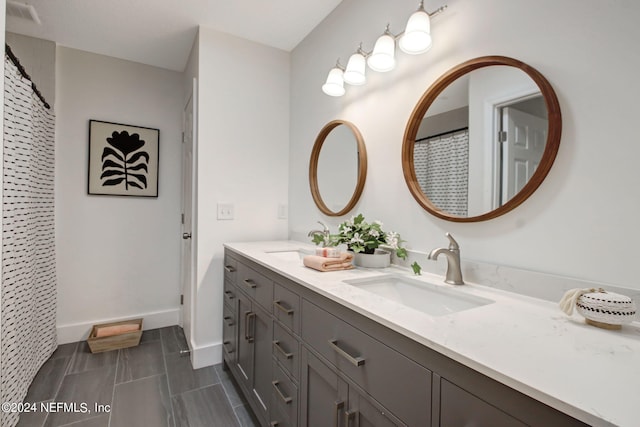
x: 526, y: 343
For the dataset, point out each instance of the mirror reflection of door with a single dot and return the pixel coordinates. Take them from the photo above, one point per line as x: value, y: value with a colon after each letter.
x: 485, y: 90
x: 523, y: 136
x: 480, y: 141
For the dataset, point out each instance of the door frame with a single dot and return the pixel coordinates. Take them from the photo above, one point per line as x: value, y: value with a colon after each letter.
x: 187, y: 290
x: 493, y: 149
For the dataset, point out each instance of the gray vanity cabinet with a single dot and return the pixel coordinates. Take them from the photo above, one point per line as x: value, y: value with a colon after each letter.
x: 323, y: 396
x: 327, y: 399
x: 398, y: 383
x: 302, y: 359
x: 248, y: 351
x: 254, y: 352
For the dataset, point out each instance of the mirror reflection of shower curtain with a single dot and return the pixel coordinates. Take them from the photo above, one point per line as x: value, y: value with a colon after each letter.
x: 442, y: 168
x: 28, y: 249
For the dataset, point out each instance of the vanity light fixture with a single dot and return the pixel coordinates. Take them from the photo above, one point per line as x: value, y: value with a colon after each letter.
x: 355, y: 72
x: 417, y: 34
x: 383, y: 57
x: 334, y: 86
x: 414, y: 40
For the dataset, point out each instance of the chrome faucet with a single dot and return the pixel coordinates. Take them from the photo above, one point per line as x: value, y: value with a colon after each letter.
x: 324, y: 233
x: 454, y: 274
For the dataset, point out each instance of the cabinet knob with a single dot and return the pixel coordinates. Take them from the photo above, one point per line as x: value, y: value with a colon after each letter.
x: 186, y: 236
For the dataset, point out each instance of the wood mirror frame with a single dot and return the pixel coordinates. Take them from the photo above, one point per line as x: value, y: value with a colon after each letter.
x: 313, y: 167
x: 548, y: 156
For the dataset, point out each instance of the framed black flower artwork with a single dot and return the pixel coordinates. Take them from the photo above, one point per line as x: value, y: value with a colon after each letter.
x: 123, y: 159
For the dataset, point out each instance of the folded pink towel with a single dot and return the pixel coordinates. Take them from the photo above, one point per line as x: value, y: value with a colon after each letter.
x: 321, y: 263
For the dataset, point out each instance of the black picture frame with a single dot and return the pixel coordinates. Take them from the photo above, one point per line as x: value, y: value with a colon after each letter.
x: 123, y: 159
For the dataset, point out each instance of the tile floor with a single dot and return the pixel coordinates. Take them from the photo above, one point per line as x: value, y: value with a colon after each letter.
x: 150, y: 385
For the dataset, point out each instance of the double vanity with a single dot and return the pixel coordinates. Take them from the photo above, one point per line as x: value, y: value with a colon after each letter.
x: 382, y: 347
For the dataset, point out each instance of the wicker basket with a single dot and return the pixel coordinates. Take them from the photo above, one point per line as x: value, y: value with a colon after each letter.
x: 606, y: 309
x: 114, y: 342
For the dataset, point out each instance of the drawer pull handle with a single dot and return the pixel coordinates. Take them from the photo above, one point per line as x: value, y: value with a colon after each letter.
x: 226, y: 343
x: 285, y: 399
x: 248, y: 317
x: 229, y: 294
x: 229, y: 269
x: 282, y: 308
x: 348, y: 415
x: 250, y: 283
x: 339, y: 405
x: 355, y: 361
x: 277, y: 345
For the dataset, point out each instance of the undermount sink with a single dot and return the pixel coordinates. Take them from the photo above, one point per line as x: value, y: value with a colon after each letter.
x: 420, y: 295
x: 290, y: 255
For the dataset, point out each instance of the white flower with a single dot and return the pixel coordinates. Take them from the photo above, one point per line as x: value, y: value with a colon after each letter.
x: 356, y: 239
x: 378, y: 222
x: 393, y: 239
x: 374, y: 233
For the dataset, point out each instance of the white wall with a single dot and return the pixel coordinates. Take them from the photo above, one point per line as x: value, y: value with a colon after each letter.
x: 117, y: 257
x: 38, y: 57
x: 582, y: 221
x: 243, y: 142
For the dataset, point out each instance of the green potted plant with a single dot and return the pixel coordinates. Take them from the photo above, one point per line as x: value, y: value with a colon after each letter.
x: 367, y: 241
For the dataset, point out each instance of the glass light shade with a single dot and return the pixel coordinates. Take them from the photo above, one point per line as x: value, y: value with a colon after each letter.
x: 334, y: 86
x: 383, y: 56
x: 355, y: 72
x: 417, y: 35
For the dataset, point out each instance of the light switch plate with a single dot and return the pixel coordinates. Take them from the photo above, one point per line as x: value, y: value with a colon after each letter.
x: 225, y: 211
x: 282, y: 211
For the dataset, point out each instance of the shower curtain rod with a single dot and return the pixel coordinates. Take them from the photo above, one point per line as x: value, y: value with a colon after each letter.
x: 442, y: 134
x: 16, y: 62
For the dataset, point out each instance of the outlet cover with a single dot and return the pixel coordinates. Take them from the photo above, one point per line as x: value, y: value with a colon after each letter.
x: 225, y: 211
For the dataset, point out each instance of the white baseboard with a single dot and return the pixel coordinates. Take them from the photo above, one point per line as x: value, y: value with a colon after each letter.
x: 80, y: 331
x: 206, y: 355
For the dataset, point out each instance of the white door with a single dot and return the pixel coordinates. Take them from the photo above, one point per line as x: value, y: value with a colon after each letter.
x: 188, y: 232
x: 526, y: 136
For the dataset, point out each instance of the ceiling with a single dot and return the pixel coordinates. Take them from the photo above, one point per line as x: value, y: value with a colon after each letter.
x: 161, y: 32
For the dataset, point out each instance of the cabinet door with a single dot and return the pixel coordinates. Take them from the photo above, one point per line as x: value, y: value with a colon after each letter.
x: 323, y: 396
x: 364, y: 412
x: 261, y: 332
x: 244, y: 346
x: 459, y: 408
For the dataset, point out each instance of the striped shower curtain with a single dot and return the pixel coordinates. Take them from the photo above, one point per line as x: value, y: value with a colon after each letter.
x: 442, y: 169
x: 28, y: 291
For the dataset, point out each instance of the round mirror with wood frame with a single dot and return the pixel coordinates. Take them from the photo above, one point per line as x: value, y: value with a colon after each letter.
x: 358, y: 170
x: 553, y: 132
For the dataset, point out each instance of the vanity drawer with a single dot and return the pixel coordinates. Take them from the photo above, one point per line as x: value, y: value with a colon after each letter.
x: 459, y: 408
x: 398, y: 383
x: 229, y: 293
x: 287, y: 350
x: 284, y: 398
x: 257, y: 286
x: 230, y: 269
x: 286, y: 307
x: 228, y: 333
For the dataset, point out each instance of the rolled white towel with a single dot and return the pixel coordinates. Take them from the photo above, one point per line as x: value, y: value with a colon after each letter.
x: 570, y: 298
